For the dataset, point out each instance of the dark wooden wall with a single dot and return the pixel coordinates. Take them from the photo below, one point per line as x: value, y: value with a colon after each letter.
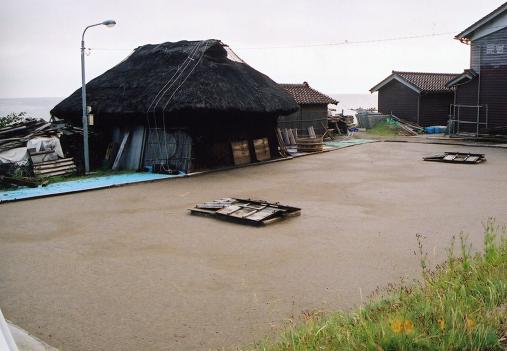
x: 398, y: 99
x: 434, y: 109
x: 493, y: 92
x: 466, y: 94
x: 308, y: 115
x: 489, y: 59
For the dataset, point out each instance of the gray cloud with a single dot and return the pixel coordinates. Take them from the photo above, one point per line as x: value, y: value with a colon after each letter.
x: 39, y: 40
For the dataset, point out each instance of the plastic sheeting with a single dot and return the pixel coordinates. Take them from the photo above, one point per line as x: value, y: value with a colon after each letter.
x: 172, y: 148
x: 78, y: 185
x: 16, y: 155
x: 45, y: 144
x: 20, y: 154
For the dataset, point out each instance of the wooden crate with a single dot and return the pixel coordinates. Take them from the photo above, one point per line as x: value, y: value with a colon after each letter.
x: 241, y: 152
x: 261, y: 147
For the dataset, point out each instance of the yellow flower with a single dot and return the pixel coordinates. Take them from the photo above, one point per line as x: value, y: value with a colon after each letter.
x: 408, y: 326
x: 470, y: 323
x: 441, y: 324
x: 397, y: 326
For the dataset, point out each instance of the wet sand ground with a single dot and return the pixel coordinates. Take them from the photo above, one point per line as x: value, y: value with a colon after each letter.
x: 129, y: 269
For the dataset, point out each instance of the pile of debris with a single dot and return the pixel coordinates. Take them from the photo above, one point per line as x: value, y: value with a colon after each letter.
x: 405, y: 127
x: 339, y: 124
x: 291, y: 141
x: 31, y: 148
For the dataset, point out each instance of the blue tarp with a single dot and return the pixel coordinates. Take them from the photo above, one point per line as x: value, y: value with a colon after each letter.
x: 82, y: 185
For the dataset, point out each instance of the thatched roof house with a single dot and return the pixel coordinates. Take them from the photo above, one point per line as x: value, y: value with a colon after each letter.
x: 200, y: 88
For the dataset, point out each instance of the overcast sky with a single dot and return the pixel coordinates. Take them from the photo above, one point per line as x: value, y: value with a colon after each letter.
x: 39, y: 47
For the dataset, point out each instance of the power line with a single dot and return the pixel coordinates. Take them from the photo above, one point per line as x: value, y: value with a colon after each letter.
x: 294, y: 46
x: 349, y: 42
x: 340, y: 43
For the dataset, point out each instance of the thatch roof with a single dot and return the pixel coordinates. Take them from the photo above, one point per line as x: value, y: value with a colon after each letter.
x: 206, y: 77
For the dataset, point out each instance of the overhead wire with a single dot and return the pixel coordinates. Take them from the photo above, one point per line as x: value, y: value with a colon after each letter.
x: 163, y: 90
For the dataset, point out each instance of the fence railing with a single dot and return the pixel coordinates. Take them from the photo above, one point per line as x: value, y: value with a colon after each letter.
x: 468, y: 119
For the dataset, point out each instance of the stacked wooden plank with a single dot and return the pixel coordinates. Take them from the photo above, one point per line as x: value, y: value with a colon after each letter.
x: 408, y: 128
x: 60, y: 167
x: 17, y: 134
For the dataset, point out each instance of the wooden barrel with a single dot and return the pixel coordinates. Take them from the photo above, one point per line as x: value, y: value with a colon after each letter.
x: 310, y: 144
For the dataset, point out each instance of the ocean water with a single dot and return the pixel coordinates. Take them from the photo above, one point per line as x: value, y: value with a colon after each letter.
x: 40, y: 107
x: 349, y: 102
x: 34, y: 107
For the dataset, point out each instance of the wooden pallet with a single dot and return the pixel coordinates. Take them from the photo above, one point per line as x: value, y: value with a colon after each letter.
x: 457, y: 157
x: 245, y: 211
x: 64, y: 166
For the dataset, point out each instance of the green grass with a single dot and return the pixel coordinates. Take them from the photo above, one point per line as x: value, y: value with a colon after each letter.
x: 98, y: 173
x: 460, y: 305
x: 67, y: 178
x: 383, y: 128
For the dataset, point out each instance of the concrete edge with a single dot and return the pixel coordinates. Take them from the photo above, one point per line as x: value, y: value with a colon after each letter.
x: 146, y: 181
x: 195, y: 174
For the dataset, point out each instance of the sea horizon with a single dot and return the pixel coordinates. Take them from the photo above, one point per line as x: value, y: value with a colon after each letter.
x: 39, y: 107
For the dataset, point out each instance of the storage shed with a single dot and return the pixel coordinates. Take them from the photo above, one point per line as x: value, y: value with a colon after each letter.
x: 418, y: 97
x: 480, y: 105
x: 312, y: 109
x: 186, y: 106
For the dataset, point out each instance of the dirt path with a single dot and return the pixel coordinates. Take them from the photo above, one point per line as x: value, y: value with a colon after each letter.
x: 129, y: 269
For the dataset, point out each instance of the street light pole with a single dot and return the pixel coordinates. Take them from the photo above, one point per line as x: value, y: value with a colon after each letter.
x: 108, y: 23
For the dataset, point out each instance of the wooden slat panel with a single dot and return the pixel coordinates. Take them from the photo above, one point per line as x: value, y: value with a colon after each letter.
x: 261, y: 147
x: 40, y: 167
x: 55, y: 161
x: 241, y: 152
x: 56, y: 169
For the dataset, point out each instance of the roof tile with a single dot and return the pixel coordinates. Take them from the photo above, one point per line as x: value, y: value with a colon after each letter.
x: 428, y: 82
x: 305, y: 95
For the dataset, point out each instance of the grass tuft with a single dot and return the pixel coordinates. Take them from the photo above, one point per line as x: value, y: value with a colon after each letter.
x: 460, y: 305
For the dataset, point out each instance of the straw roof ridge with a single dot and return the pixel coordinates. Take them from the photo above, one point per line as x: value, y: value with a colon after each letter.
x: 212, y: 80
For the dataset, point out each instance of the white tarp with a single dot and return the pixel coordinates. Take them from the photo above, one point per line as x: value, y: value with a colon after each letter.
x: 44, y: 144
x: 14, y: 155
x: 39, y: 144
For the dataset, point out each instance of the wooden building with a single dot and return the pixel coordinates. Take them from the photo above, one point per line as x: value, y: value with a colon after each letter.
x: 185, y: 106
x: 480, y: 98
x: 312, y: 109
x: 418, y: 97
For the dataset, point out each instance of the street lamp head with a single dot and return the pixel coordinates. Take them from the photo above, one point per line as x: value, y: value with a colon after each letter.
x: 109, y: 23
